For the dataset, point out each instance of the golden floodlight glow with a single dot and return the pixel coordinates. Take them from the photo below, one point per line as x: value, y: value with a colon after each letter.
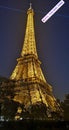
x: 31, y: 87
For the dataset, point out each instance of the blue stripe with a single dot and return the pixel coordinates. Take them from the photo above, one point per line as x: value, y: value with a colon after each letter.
x: 11, y: 9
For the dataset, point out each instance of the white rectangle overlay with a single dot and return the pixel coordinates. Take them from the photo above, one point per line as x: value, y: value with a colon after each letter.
x: 50, y: 13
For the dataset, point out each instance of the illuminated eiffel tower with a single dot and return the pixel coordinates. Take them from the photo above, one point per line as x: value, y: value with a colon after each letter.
x: 31, y: 88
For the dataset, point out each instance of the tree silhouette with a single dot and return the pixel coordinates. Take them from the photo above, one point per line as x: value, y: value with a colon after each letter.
x: 65, y: 107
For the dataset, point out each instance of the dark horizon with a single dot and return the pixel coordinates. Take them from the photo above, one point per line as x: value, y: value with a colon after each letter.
x: 52, y: 39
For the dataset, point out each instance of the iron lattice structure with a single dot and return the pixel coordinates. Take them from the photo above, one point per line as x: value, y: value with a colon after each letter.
x: 31, y: 89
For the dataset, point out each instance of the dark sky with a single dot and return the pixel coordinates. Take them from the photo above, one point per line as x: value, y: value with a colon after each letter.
x: 52, y: 39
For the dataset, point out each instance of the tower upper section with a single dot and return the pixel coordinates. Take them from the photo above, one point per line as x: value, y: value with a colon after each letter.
x: 28, y: 67
x: 29, y: 46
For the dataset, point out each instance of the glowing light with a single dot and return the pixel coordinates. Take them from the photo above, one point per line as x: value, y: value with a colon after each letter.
x: 46, y: 17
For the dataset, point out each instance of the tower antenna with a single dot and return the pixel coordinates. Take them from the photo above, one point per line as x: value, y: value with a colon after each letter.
x: 30, y: 5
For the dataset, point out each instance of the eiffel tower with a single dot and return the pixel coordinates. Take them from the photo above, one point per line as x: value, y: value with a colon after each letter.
x: 31, y: 88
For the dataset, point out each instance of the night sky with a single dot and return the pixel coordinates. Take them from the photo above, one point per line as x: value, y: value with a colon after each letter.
x: 52, y: 40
